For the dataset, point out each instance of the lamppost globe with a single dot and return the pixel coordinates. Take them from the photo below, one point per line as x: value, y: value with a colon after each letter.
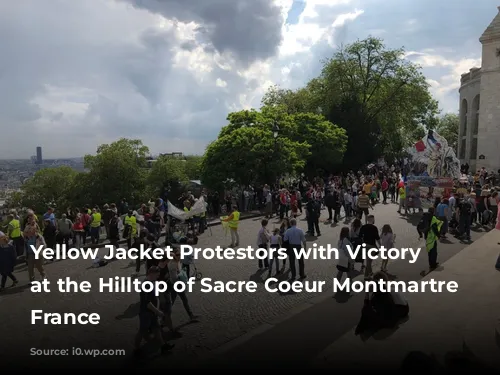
x: 276, y: 130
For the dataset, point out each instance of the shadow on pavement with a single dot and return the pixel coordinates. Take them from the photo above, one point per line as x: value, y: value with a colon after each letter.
x: 15, y: 289
x: 257, y: 276
x: 130, y: 312
x: 412, y: 219
x: 342, y: 297
x: 454, y: 361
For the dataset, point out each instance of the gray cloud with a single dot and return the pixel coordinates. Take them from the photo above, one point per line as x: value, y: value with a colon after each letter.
x: 75, y: 74
x: 251, y: 29
x: 83, y: 75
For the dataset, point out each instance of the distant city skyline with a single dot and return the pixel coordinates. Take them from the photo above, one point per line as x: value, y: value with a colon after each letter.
x: 39, y: 158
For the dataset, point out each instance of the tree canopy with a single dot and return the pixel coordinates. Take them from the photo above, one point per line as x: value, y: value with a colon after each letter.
x: 48, y: 187
x: 447, y: 127
x: 117, y: 170
x: 247, y: 150
x: 381, y: 99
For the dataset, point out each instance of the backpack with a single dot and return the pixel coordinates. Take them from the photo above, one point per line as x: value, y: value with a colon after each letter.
x: 424, y: 223
x: 317, y: 208
x: 127, y: 231
x: 466, y: 208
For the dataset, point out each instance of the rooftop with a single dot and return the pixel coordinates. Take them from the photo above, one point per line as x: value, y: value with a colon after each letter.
x: 493, y: 30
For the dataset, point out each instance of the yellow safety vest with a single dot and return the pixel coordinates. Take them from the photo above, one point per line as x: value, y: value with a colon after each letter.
x: 15, y: 228
x: 96, y: 220
x: 131, y: 220
x: 431, y: 236
x: 234, y: 222
x: 89, y: 211
x: 402, y: 193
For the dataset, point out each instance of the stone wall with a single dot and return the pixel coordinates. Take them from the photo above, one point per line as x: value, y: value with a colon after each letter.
x: 469, y: 91
x: 489, y: 118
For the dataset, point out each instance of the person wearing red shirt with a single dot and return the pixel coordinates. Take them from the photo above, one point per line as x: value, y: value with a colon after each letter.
x: 385, y: 188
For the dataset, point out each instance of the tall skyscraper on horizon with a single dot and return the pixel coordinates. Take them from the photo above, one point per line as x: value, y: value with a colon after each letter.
x: 39, y: 159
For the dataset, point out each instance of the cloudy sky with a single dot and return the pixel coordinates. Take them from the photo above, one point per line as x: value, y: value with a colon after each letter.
x: 75, y: 74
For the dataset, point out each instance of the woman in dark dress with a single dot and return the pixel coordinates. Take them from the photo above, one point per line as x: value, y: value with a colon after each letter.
x: 8, y: 257
x: 382, y: 309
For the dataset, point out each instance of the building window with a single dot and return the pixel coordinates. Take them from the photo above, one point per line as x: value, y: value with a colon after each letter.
x: 463, y: 117
x: 473, y: 150
x: 462, y: 148
x: 475, y: 112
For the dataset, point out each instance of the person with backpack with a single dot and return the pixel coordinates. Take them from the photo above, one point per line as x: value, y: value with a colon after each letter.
x: 114, y: 230
x: 313, y: 208
x: 464, y: 212
x: 424, y: 224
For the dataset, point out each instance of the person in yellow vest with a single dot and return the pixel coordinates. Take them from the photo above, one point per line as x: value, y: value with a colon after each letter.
x: 402, y: 199
x: 233, y: 221
x: 432, y: 239
x: 95, y: 226
x: 187, y: 208
x: 130, y: 231
x: 14, y: 233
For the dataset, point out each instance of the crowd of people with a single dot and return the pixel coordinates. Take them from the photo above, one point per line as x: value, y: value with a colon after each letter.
x: 351, y: 197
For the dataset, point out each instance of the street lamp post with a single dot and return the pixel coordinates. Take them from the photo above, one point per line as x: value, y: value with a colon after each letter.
x: 276, y: 130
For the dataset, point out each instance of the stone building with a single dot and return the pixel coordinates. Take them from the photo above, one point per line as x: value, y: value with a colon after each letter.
x: 479, y: 132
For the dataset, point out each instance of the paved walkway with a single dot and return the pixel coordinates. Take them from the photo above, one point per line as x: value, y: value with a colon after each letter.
x: 296, y: 338
x: 225, y: 317
x: 461, y: 331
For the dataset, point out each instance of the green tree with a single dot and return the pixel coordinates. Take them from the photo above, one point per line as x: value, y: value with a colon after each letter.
x: 14, y: 200
x: 381, y: 99
x: 306, y: 136
x: 249, y: 154
x: 328, y: 142
x: 447, y: 127
x: 48, y: 187
x: 193, y: 166
x: 118, y: 170
x: 80, y: 192
x: 301, y: 100
x: 167, y: 173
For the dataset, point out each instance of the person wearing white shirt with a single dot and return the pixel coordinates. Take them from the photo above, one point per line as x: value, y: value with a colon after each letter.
x: 346, y: 263
x: 452, y: 203
x: 355, y: 187
x: 387, y: 239
x: 262, y: 242
x: 347, y: 204
x: 275, y: 243
x: 269, y: 204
